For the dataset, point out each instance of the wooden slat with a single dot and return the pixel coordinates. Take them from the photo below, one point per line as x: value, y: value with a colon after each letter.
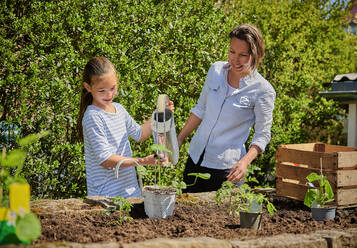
x: 290, y: 190
x: 334, y: 148
x: 346, y: 197
x: 299, y: 174
x: 346, y: 160
x: 309, y: 158
x: 304, y: 146
x: 346, y: 178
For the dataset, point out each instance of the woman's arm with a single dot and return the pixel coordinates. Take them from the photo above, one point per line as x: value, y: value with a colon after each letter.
x: 240, y: 169
x: 192, y: 123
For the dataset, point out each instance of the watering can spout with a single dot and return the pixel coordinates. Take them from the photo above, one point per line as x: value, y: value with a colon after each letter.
x: 163, y: 128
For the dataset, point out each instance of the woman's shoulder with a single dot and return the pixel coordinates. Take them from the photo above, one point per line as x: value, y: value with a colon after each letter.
x: 262, y: 83
x: 219, y: 66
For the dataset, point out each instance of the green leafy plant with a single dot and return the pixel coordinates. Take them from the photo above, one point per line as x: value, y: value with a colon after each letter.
x: 123, y: 207
x: 241, y: 199
x: 322, y: 195
x: 26, y: 225
x: 160, y: 149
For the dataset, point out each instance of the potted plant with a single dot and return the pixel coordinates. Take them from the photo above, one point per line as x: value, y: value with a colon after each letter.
x: 318, y: 198
x: 17, y: 224
x: 243, y: 201
x: 159, y: 200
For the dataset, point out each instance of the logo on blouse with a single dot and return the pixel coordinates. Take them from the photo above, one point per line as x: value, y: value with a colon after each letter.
x: 244, y: 100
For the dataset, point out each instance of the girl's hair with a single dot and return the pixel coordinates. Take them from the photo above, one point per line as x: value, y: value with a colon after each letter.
x: 254, y: 38
x: 96, y: 66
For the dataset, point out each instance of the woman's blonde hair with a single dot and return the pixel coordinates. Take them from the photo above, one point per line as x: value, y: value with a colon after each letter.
x: 254, y: 38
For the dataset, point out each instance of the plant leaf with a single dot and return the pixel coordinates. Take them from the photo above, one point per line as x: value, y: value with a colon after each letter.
x: 28, y: 228
x: 312, y: 177
x: 204, y: 176
x: 310, y: 196
x: 141, y: 170
x: 159, y: 147
x: 14, y: 158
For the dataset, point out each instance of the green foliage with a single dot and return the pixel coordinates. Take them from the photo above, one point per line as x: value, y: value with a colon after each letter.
x: 28, y: 227
x: 161, y: 47
x: 242, y: 199
x: 123, y: 207
x: 321, y: 196
x: 11, y: 165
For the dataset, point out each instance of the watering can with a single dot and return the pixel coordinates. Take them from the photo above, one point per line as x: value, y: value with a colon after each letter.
x: 163, y: 128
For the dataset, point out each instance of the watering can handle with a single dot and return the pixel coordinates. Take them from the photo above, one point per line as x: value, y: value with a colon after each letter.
x: 139, y: 175
x: 161, y: 103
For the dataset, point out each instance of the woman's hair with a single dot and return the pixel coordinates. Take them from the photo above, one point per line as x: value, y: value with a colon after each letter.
x: 96, y: 66
x: 254, y: 38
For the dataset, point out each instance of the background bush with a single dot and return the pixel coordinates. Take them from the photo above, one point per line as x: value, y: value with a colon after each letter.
x: 161, y: 47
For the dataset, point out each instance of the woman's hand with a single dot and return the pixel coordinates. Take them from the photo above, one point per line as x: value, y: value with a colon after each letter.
x: 238, y: 172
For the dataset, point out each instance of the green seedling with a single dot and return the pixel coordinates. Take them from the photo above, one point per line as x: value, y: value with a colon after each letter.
x: 27, y: 227
x: 241, y: 199
x: 159, y: 149
x: 182, y: 185
x: 123, y: 207
x: 321, y: 196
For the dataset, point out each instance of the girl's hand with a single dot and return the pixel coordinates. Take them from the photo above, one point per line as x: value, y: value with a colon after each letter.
x: 170, y: 105
x: 153, y: 160
x: 238, y: 172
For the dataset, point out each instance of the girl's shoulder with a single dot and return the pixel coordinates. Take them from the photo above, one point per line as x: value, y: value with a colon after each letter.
x: 92, y: 112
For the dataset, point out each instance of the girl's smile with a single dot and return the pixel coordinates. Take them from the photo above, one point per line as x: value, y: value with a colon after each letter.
x: 103, y: 89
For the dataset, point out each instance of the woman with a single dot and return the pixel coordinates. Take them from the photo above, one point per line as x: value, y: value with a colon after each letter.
x: 234, y: 97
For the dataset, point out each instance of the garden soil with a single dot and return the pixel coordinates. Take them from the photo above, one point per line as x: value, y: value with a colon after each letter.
x: 91, y: 224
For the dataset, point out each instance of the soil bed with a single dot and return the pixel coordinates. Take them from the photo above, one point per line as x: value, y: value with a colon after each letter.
x: 188, y: 220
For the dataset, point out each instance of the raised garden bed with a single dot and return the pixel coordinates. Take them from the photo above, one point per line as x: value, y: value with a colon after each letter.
x: 199, y: 216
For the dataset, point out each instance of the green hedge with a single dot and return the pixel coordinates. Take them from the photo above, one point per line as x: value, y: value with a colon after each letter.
x: 161, y: 47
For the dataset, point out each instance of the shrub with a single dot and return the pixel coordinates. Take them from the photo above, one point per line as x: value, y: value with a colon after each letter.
x: 160, y: 47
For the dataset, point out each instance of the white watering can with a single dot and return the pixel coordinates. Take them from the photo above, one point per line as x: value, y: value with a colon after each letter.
x: 163, y: 128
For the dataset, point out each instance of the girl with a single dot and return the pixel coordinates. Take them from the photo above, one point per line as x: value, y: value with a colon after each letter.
x: 105, y: 127
x: 235, y: 96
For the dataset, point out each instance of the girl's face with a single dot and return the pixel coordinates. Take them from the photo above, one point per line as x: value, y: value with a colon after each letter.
x: 239, y: 56
x: 103, y: 89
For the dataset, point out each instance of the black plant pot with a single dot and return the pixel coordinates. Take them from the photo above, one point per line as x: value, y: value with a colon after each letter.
x: 321, y: 214
x: 250, y: 220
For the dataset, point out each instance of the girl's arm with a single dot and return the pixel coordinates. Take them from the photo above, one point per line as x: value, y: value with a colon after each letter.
x: 192, y: 123
x: 114, y: 159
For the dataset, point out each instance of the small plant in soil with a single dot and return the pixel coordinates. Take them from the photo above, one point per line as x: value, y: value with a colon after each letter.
x: 242, y: 199
x: 123, y: 207
x: 318, y: 197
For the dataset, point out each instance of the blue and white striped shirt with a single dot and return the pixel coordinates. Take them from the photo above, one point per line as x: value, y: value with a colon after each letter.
x: 106, y: 134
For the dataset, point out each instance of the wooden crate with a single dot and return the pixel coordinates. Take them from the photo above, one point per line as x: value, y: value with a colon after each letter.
x: 339, y: 165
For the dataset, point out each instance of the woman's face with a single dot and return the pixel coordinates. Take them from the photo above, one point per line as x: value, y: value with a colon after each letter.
x: 239, y: 56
